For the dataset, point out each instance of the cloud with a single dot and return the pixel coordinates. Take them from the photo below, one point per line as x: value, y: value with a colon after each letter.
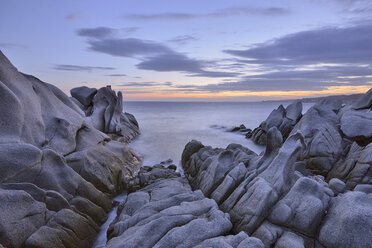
x: 183, y: 39
x: 81, y: 68
x: 128, y: 47
x: 222, y: 13
x: 73, y: 16
x: 179, y: 62
x: 162, y: 16
x: 145, y: 84
x: 327, y: 45
x: 130, y: 30
x: 293, y: 80
x: 154, y: 55
x: 98, y: 32
x: 117, y: 75
x: 170, y: 62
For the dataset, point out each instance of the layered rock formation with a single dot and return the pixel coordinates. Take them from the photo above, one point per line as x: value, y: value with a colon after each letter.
x: 284, y: 119
x: 103, y: 109
x: 312, y: 189
x: 165, y: 212
x: 58, y: 172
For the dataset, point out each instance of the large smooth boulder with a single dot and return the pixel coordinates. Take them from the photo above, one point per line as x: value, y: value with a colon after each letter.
x: 348, y: 222
x: 83, y: 94
x: 357, y: 125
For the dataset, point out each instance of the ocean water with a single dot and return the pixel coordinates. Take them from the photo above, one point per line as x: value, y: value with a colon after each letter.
x: 166, y: 127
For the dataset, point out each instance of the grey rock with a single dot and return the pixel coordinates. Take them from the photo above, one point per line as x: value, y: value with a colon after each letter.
x: 351, y: 213
x: 168, y: 213
x: 283, y: 119
x: 239, y: 240
x: 106, y: 115
x: 65, y: 227
x: 294, y: 111
x: 21, y: 215
x: 319, y: 127
x: 83, y: 94
x: 49, y: 202
x: 337, y: 185
x: 268, y: 233
x: 365, y: 188
x: 357, y: 125
x: 302, y: 209
x: 290, y: 239
x: 363, y: 102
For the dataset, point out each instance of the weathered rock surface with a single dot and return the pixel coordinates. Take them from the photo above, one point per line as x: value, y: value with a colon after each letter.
x: 348, y: 222
x: 58, y: 172
x: 165, y: 212
x: 103, y: 109
x: 324, y: 144
x: 283, y: 119
x: 282, y: 197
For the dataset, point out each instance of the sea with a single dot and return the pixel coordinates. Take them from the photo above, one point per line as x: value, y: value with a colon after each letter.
x: 166, y: 127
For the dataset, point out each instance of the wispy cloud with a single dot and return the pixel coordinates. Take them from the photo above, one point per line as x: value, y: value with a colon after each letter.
x: 222, y: 13
x: 328, y: 45
x: 117, y: 75
x: 183, y: 39
x: 73, y: 16
x: 128, y: 47
x: 81, y: 68
x: 145, y: 84
x: 130, y: 30
x: 98, y: 32
x: 153, y: 55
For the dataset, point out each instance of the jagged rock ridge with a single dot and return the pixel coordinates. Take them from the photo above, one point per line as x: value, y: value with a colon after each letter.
x: 312, y: 189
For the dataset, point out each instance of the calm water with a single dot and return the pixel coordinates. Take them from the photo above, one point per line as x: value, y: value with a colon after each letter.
x: 166, y: 127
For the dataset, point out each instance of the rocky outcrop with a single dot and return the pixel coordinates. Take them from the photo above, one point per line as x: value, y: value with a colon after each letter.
x: 58, y: 172
x: 284, y: 119
x: 103, y: 109
x: 312, y: 190
x: 165, y: 212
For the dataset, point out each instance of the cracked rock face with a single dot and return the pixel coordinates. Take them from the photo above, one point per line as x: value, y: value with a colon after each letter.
x: 165, y: 212
x: 298, y: 193
x: 284, y: 119
x: 58, y: 172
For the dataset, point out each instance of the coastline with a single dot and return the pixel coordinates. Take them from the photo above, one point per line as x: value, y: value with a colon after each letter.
x: 63, y: 161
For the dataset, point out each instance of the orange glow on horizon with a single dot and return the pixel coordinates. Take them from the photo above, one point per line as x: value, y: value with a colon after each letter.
x: 332, y: 90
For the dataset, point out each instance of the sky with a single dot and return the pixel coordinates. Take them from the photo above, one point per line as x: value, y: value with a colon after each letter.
x: 209, y: 50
